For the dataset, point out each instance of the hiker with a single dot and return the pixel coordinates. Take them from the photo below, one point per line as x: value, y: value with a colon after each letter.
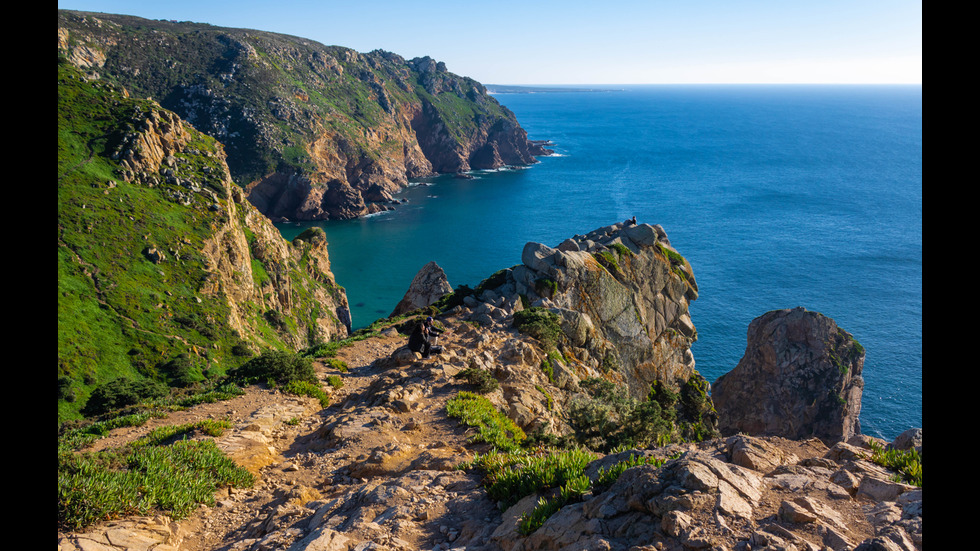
x: 418, y: 341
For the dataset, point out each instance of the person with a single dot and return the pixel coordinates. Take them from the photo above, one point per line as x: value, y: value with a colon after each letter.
x: 419, y: 342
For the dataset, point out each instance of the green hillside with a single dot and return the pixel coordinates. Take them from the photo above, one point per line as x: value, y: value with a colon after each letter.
x: 123, y: 309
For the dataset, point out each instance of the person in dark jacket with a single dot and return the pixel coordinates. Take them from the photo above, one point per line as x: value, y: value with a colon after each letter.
x: 418, y: 341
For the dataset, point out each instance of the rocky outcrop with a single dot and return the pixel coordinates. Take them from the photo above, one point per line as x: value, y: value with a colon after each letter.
x: 378, y: 471
x: 313, y: 132
x: 155, y: 153
x: 800, y: 377
x: 621, y: 295
x: 428, y: 286
x: 716, y: 495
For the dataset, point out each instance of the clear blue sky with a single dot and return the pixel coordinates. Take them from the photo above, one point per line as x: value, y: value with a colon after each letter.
x: 595, y: 42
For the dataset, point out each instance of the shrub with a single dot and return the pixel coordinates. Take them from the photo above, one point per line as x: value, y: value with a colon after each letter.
x: 908, y: 463
x: 608, y: 418
x: 540, y: 323
x: 275, y: 367
x: 339, y: 365
x: 480, y: 378
x: 182, y: 371
x: 241, y: 350
x: 122, y: 392
x: 307, y: 388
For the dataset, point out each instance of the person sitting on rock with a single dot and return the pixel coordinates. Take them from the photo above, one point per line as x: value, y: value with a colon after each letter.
x: 418, y: 341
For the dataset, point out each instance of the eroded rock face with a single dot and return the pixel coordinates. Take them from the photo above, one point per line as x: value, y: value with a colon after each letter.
x: 800, y: 377
x: 621, y: 293
x: 429, y: 284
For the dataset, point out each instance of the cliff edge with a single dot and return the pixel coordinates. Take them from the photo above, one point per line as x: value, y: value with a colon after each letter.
x: 312, y: 132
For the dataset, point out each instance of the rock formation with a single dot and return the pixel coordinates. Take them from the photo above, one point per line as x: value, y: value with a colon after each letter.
x: 313, y: 132
x: 621, y: 295
x: 378, y: 468
x: 428, y: 286
x: 168, y: 258
x: 800, y: 377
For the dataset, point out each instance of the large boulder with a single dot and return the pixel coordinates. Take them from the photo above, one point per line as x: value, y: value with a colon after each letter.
x: 800, y: 377
x: 428, y: 286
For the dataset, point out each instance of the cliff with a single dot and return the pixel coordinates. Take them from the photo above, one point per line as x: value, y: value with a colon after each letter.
x: 166, y: 272
x: 378, y: 468
x: 800, y: 377
x: 561, y: 413
x: 312, y: 132
x: 620, y: 294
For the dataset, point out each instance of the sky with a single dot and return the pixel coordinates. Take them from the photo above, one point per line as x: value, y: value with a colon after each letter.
x: 544, y: 42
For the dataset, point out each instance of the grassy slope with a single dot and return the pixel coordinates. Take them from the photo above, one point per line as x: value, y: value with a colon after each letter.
x: 119, y: 314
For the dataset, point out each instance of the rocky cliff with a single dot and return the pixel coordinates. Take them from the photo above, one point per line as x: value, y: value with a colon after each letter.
x: 166, y: 272
x: 800, y: 377
x: 311, y: 131
x: 378, y: 469
x: 620, y: 294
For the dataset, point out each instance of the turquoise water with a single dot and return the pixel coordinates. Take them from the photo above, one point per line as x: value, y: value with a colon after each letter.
x: 780, y: 196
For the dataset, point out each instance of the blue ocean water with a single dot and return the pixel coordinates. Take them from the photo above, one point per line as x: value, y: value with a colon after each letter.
x: 780, y: 196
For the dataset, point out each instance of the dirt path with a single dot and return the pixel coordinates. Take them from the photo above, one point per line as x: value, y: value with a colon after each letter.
x: 385, y: 420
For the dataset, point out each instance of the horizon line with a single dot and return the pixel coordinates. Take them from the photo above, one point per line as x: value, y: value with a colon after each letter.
x: 710, y: 84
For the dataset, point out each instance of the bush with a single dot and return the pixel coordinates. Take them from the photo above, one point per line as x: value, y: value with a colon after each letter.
x: 307, y: 388
x: 122, y: 392
x: 480, y: 378
x: 609, y: 419
x: 182, y: 371
x: 540, y: 323
x: 275, y: 367
x: 339, y: 365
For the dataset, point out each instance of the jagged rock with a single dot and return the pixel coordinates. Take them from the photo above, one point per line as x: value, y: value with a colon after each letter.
x: 800, y: 377
x: 910, y: 439
x: 621, y: 294
x: 428, y: 286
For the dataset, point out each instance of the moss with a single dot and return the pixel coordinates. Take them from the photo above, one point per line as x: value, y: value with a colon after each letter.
x: 546, y: 287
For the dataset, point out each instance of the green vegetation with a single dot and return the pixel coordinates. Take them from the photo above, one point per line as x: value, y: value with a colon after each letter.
x: 274, y: 368
x: 339, y: 365
x: 483, y: 381
x: 130, y: 316
x: 284, y: 92
x: 493, y: 427
x: 540, y: 323
x: 174, y: 478
x: 607, y: 418
x: 676, y: 262
x: 163, y: 470
x: 907, y: 463
x: 510, y: 477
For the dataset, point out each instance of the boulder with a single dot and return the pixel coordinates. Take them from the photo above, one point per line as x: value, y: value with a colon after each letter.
x: 800, y: 377
x: 428, y: 286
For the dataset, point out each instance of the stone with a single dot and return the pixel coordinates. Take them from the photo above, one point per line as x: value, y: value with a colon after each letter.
x: 800, y: 377
x: 429, y: 285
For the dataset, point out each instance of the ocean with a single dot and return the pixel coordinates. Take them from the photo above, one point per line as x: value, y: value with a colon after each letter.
x: 779, y: 196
